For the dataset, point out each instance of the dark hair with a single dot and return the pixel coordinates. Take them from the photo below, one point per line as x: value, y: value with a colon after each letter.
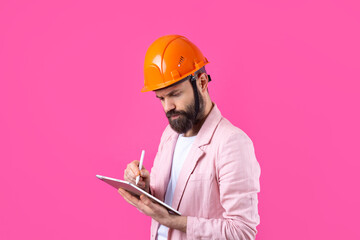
x: 196, y: 74
x: 200, y: 71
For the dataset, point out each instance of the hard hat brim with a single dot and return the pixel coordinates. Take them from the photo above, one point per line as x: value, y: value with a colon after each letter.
x: 169, y: 83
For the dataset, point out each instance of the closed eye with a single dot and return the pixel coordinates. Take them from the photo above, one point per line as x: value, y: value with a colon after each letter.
x: 176, y: 94
x: 171, y: 94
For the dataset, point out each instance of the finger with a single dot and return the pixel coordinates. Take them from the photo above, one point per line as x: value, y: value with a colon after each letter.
x: 128, y: 197
x: 144, y: 173
x: 134, y: 168
x: 136, y: 162
x: 129, y: 177
x: 124, y: 197
x: 145, y: 208
x: 130, y: 172
x: 141, y: 183
x: 152, y: 207
x: 146, y: 200
x: 123, y: 193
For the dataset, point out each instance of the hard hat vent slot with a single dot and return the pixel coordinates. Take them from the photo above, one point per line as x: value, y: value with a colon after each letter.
x: 181, y: 60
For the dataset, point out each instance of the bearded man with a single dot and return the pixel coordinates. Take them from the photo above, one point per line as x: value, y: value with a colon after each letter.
x: 205, y: 167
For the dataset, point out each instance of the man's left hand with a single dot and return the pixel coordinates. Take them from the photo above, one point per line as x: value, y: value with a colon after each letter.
x: 155, y: 211
x: 146, y: 206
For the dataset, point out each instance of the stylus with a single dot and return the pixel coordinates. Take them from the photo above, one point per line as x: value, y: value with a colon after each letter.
x: 140, y: 166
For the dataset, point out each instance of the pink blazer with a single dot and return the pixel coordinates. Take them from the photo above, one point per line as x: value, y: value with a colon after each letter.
x: 218, y: 184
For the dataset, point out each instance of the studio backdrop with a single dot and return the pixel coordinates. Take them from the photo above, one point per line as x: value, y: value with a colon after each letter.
x: 285, y: 72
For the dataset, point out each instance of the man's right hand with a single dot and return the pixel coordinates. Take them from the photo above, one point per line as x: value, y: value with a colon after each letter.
x: 132, y: 171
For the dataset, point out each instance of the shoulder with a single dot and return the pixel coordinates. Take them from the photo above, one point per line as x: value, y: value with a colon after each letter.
x: 227, y: 131
x: 167, y: 133
x: 222, y: 129
x: 234, y: 148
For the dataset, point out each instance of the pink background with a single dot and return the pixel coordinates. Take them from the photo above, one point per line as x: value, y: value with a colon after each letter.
x: 286, y: 72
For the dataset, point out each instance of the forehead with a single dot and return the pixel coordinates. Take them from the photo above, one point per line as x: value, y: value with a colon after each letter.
x: 165, y: 91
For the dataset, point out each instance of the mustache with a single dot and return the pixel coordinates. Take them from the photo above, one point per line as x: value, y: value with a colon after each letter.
x: 171, y: 113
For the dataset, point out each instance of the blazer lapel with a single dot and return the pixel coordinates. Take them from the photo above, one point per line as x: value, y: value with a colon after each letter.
x: 166, y: 162
x: 188, y: 167
x: 203, y: 138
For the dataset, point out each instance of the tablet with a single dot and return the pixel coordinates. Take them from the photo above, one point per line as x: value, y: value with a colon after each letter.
x: 135, y: 190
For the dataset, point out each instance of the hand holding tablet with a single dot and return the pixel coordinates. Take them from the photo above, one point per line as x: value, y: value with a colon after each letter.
x: 132, y: 175
x: 135, y: 190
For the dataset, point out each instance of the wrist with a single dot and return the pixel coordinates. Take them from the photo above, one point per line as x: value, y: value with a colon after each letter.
x: 177, y: 222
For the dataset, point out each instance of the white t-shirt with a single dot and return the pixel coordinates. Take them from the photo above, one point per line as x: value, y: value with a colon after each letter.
x: 182, y: 149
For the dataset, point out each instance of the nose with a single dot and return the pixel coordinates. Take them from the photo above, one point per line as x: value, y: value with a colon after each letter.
x: 168, y: 105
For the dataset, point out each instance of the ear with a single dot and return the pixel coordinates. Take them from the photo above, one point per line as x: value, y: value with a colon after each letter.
x: 202, y: 82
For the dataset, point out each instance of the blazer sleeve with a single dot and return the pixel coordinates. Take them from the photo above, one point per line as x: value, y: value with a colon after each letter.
x: 238, y: 179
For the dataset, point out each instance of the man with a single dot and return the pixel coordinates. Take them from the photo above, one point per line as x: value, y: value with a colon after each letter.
x: 205, y: 167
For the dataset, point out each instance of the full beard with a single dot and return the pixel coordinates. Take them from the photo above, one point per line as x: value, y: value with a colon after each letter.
x: 186, y: 119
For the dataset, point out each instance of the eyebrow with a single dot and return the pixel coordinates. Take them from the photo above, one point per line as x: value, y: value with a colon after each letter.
x: 170, y: 93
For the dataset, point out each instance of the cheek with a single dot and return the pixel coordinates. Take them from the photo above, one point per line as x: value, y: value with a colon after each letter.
x: 188, y: 100
x: 181, y: 103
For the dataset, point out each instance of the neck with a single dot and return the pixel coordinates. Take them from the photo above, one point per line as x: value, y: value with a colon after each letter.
x: 196, y: 128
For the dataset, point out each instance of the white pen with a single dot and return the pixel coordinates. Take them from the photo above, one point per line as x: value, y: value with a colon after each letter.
x: 140, y: 166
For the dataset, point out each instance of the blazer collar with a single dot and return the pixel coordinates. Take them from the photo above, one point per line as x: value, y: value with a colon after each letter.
x: 207, y: 129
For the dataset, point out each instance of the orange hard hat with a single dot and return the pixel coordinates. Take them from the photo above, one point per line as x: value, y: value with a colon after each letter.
x: 170, y: 59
